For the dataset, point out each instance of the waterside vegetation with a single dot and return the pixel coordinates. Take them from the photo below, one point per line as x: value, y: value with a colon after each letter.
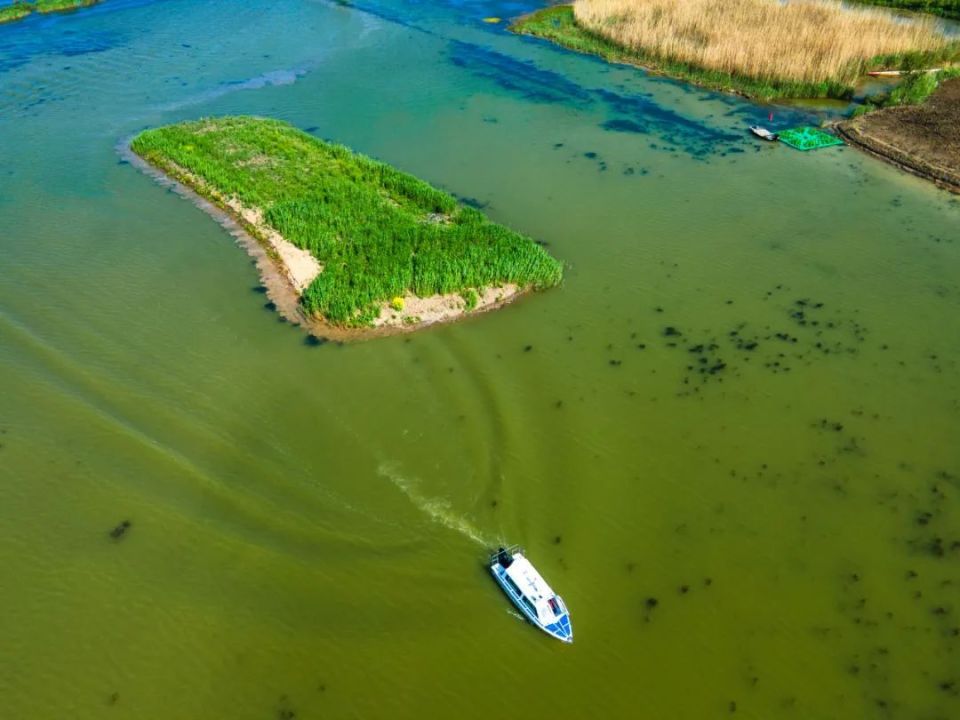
x: 22, y: 8
x: 944, y: 8
x: 16, y: 11
x: 759, y: 48
x: 380, y: 235
x: 914, y: 88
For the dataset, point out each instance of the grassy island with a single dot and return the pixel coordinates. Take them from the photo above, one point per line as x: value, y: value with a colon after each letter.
x: 22, y: 8
x: 759, y: 48
x: 388, y: 250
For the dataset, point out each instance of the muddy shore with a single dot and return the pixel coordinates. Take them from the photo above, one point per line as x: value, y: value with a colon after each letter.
x: 921, y: 139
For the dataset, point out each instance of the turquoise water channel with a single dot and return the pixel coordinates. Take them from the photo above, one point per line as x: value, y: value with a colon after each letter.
x: 729, y: 440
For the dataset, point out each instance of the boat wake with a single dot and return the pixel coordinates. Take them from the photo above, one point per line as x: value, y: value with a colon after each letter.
x: 272, y: 78
x: 437, y: 509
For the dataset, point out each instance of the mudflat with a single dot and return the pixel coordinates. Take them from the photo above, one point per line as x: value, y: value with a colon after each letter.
x: 923, y: 139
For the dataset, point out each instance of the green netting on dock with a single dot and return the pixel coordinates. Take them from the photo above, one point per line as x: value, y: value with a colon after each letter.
x: 808, y: 138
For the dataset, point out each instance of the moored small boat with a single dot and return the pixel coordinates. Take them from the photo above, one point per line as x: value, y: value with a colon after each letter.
x: 764, y: 134
x: 897, y: 73
x: 530, y: 593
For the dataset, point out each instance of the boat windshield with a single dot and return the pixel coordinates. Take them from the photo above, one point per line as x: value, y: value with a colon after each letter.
x: 555, y: 606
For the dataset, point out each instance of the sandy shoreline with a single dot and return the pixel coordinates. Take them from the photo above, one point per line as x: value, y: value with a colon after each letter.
x: 286, y: 270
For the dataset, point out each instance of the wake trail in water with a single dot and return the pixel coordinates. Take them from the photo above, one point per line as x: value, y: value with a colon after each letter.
x: 272, y: 78
x: 437, y: 509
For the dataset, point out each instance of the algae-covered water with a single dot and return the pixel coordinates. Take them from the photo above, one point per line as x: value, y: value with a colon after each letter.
x: 730, y: 439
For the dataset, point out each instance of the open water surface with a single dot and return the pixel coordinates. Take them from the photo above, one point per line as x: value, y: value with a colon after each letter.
x: 730, y: 439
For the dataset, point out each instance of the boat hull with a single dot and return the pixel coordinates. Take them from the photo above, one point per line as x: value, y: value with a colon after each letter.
x: 764, y: 134
x: 562, y: 629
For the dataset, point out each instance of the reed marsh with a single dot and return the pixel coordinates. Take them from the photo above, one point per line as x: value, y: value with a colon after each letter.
x: 378, y: 233
x: 761, y: 48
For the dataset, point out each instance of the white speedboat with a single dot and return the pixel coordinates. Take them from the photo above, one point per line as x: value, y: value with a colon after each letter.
x: 764, y: 134
x: 530, y: 593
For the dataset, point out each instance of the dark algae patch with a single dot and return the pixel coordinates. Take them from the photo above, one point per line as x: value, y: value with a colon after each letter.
x: 807, y: 331
x: 638, y: 113
x: 120, y: 531
x: 383, y: 239
x: 521, y: 77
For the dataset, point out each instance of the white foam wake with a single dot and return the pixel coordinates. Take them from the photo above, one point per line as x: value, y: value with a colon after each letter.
x: 437, y: 509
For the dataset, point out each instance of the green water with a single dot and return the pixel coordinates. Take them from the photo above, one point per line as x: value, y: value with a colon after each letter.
x: 308, y: 523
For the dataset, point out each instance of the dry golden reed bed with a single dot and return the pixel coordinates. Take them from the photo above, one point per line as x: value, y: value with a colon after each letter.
x: 803, y: 40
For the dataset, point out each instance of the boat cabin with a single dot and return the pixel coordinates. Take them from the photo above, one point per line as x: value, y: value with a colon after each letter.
x: 531, y: 594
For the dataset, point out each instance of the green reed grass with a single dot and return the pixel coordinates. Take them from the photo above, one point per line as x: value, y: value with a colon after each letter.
x: 52, y: 6
x: 944, y: 8
x: 379, y: 233
x: 20, y: 9
x: 16, y: 11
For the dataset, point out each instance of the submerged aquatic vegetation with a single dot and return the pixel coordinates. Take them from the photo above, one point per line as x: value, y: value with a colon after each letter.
x: 120, y: 530
x: 759, y: 48
x: 379, y: 233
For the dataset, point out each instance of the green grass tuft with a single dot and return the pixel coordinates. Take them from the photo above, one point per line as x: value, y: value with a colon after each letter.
x: 379, y: 233
x: 470, y: 299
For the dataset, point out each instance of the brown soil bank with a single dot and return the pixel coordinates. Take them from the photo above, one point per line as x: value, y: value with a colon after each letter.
x: 922, y: 139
